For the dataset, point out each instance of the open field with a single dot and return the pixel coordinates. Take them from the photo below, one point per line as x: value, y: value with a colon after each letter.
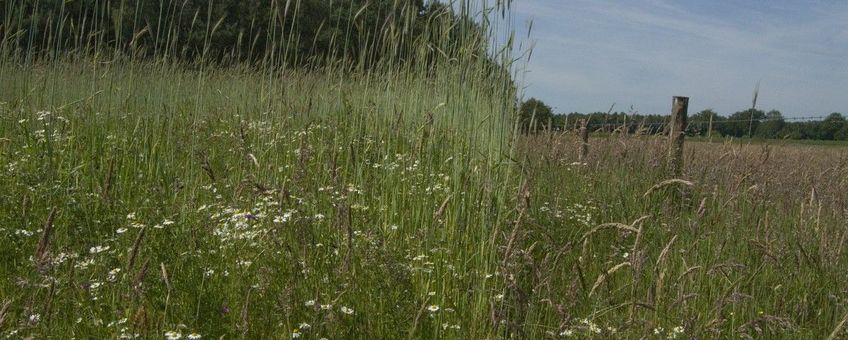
x: 381, y: 190
x: 753, y: 246
x: 835, y: 143
x: 191, y: 207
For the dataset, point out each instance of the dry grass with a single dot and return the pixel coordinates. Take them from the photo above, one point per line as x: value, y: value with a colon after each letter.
x: 779, y: 172
x: 747, y: 242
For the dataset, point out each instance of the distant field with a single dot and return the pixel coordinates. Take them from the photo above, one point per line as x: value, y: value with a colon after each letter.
x: 770, y: 141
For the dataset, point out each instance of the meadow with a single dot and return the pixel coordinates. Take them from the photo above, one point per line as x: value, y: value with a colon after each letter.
x: 150, y: 198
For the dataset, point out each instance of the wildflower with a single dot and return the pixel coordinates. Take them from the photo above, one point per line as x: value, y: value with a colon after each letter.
x: 346, y: 310
x: 675, y: 332
x: 113, y: 274
x: 433, y: 308
x: 567, y: 332
x: 173, y: 335
x: 98, y: 249
x: 285, y: 218
x: 326, y: 307
x: 194, y: 336
x: 121, y: 230
x: 295, y: 334
x: 34, y: 318
x: 594, y: 328
x: 304, y: 325
x: 309, y: 303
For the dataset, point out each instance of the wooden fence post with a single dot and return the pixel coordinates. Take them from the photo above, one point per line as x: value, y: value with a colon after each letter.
x: 710, y: 132
x: 679, y: 112
x: 584, y: 140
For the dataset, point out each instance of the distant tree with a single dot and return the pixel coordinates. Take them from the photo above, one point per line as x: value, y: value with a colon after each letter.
x: 842, y: 134
x: 534, y: 114
x: 771, y: 126
x: 832, y: 126
x: 742, y: 123
x: 297, y: 32
x: 699, y: 124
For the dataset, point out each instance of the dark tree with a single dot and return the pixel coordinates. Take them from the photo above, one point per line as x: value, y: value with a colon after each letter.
x: 534, y: 115
x: 771, y: 126
x: 742, y: 123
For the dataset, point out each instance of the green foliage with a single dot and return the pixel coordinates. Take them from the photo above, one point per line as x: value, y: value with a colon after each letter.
x: 699, y: 124
x: 534, y: 115
x: 271, y: 31
x: 742, y: 123
x: 248, y: 169
x: 361, y: 193
x: 772, y: 126
x: 768, y: 125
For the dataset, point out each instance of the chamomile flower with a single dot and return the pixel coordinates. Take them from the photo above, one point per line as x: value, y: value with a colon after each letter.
x: 98, y: 249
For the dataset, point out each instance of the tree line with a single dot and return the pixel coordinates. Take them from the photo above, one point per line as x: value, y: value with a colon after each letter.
x: 536, y: 115
x: 287, y: 31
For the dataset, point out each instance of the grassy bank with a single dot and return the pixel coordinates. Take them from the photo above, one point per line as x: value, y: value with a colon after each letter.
x: 142, y: 199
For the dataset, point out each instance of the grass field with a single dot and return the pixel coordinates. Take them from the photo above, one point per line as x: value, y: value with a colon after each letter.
x: 142, y: 200
x: 836, y: 143
x: 138, y: 199
x: 145, y: 198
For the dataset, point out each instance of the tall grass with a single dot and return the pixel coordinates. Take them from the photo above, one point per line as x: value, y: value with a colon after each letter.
x: 750, y: 243
x: 377, y: 194
x: 352, y: 195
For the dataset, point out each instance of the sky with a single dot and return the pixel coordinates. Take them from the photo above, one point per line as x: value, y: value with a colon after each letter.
x: 590, y: 54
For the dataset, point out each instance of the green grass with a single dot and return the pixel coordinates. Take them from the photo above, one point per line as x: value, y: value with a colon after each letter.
x: 746, y: 140
x: 227, y: 204
x: 143, y: 196
x: 253, y: 197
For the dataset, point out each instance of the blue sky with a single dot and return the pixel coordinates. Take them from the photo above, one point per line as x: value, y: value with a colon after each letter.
x: 589, y: 54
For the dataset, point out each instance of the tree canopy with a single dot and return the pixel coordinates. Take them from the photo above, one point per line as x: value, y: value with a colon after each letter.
x: 745, y: 123
x: 297, y: 31
x: 534, y: 114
